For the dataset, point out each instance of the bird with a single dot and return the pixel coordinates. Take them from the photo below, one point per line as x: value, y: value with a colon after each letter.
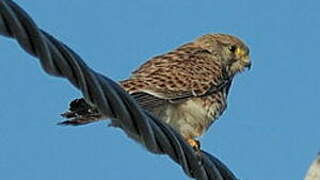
x: 186, y: 88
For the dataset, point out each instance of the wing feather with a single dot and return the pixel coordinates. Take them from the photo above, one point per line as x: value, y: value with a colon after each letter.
x: 187, y: 72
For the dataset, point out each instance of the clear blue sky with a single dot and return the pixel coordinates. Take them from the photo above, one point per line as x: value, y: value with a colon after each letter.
x: 269, y: 131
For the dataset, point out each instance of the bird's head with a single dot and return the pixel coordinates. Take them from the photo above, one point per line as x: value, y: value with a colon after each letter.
x: 233, y: 53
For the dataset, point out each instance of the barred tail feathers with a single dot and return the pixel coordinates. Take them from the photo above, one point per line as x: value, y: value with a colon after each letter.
x: 80, y: 113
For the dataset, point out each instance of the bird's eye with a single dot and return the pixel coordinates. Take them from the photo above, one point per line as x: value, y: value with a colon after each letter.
x: 232, y: 49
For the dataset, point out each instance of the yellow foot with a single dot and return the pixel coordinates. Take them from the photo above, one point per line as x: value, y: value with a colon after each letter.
x: 195, y: 144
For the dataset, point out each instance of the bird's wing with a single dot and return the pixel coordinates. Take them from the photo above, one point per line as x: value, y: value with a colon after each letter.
x: 187, y: 72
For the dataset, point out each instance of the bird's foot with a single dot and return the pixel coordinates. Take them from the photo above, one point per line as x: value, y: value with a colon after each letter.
x: 195, y: 144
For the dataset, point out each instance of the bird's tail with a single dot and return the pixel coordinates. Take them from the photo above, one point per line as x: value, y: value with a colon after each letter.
x: 80, y: 113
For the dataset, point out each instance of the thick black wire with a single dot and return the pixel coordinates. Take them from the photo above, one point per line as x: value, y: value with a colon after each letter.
x: 57, y: 59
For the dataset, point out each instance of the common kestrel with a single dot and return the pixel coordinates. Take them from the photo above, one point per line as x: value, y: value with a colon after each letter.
x: 186, y: 88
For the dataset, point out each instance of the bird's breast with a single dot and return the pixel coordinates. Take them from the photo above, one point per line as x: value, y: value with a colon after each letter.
x: 194, y: 116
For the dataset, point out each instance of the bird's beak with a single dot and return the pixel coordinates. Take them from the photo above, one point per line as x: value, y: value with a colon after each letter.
x: 247, y: 63
x: 244, y: 57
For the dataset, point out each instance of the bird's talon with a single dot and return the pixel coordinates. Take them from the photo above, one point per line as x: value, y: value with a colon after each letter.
x: 195, y: 144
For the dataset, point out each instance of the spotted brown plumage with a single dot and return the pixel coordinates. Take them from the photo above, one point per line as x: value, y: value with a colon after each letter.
x: 186, y: 88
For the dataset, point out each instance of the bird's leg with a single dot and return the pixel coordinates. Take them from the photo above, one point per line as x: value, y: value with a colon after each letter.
x: 195, y: 144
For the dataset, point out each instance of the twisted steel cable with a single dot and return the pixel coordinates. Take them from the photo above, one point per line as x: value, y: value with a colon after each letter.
x: 57, y: 59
